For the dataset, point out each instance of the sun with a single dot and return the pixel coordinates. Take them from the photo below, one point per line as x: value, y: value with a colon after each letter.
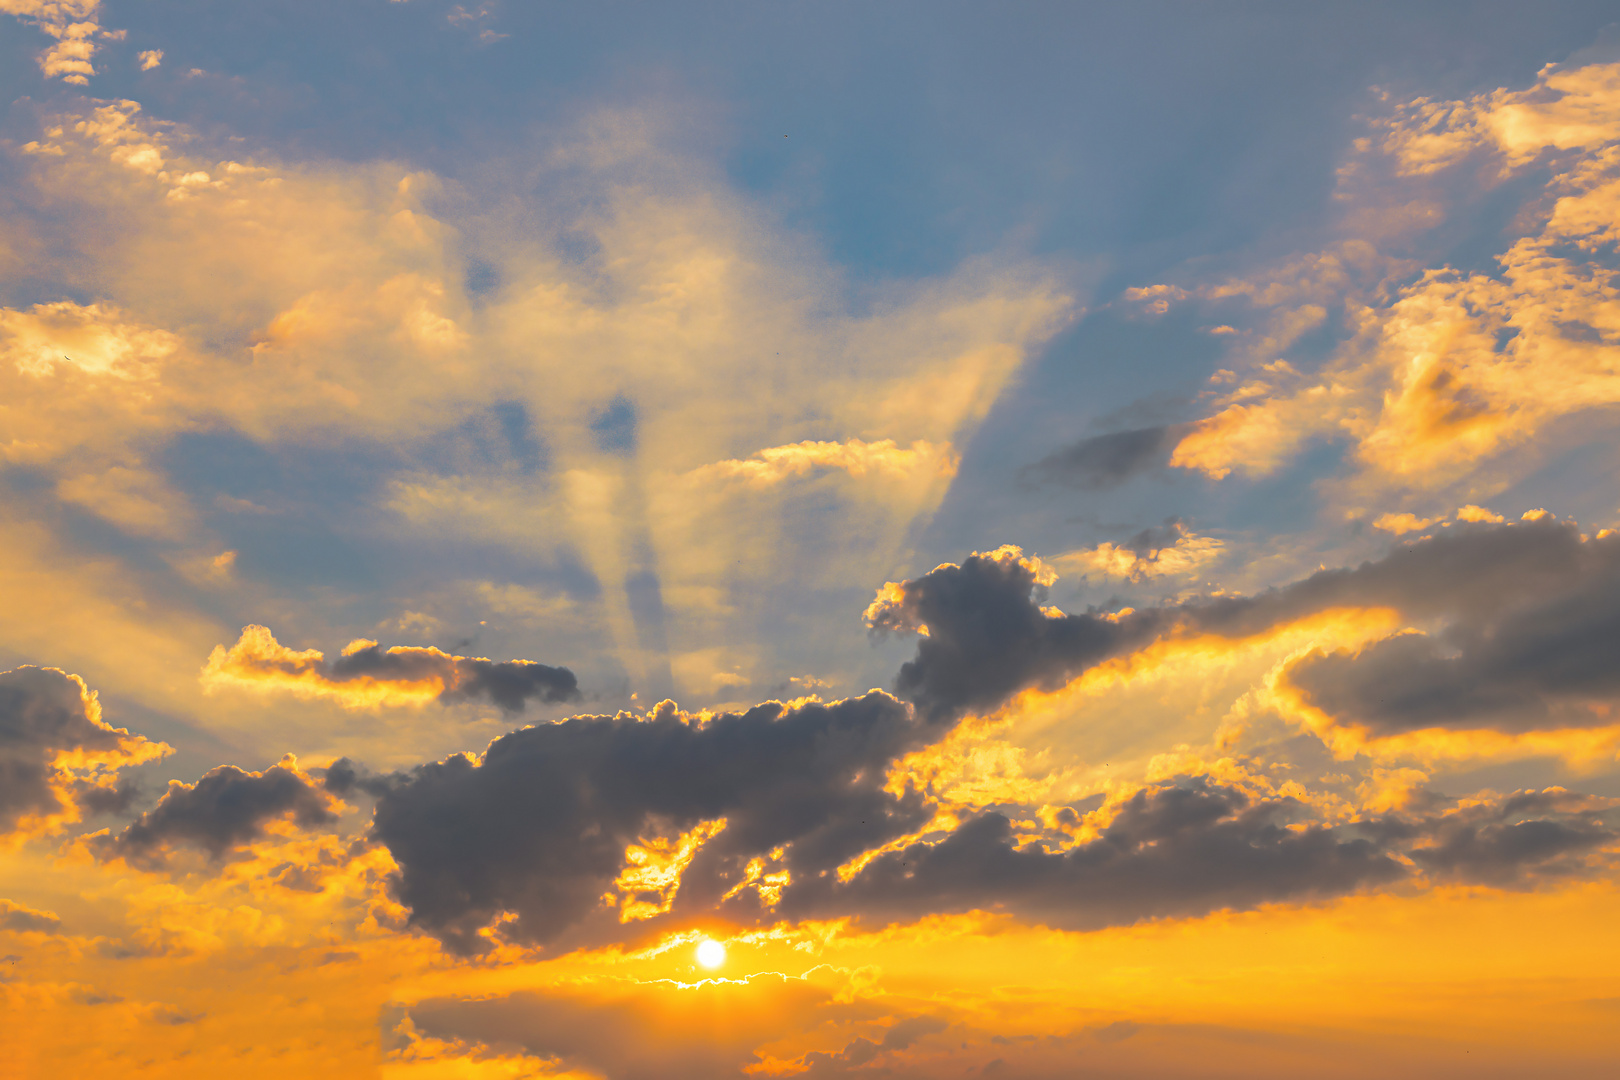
x: 710, y: 953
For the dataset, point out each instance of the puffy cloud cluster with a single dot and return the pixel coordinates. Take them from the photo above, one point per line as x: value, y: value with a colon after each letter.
x: 58, y: 758
x: 74, y: 25
x: 367, y: 674
x: 1523, y: 617
x: 1437, y: 377
x: 537, y: 829
x: 522, y: 845
x: 1530, y: 834
x: 986, y: 634
x: 1171, y: 550
x: 1168, y: 850
x: 227, y: 809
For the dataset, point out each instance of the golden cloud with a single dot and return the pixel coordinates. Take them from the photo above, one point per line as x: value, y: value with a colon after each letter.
x: 367, y: 675
x: 1461, y: 367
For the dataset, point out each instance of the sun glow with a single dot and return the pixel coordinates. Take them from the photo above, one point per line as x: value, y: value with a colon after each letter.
x: 710, y: 953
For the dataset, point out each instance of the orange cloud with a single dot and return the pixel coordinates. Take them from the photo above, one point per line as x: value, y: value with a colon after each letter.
x: 58, y: 757
x: 651, y: 877
x: 1461, y: 367
x: 1401, y: 524
x: 73, y: 23
x: 1187, y: 554
x: 922, y: 461
x: 1582, y: 747
x: 366, y: 675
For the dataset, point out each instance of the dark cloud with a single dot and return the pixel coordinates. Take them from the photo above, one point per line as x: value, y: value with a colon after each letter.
x: 19, y: 919
x: 1195, y: 846
x: 1535, y: 661
x: 1529, y: 835
x: 1173, y: 850
x: 1531, y: 599
x: 509, y: 684
x: 366, y: 671
x: 113, y: 800
x: 1106, y: 461
x: 226, y: 809
x: 530, y: 838
x: 538, y: 828
x: 43, y: 714
x: 987, y: 637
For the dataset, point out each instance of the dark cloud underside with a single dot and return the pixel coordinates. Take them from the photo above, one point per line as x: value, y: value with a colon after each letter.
x: 1534, y: 613
x: 226, y: 809
x: 539, y: 827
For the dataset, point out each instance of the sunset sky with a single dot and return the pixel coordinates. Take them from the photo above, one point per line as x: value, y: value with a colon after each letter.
x: 809, y: 539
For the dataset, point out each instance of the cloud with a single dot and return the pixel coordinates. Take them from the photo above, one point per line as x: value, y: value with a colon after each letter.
x: 986, y: 634
x: 19, y: 919
x: 1195, y: 845
x: 1568, y: 109
x: 1107, y: 461
x: 684, y: 383
x: 366, y: 674
x: 1528, y: 835
x: 1441, y: 370
x: 57, y: 756
x: 224, y: 811
x: 1178, y: 848
x: 73, y: 24
x: 922, y: 461
x: 91, y: 338
x: 1521, y: 660
x: 1401, y: 524
x: 1168, y: 551
x: 538, y: 828
x: 1170, y: 850
x: 1528, y: 611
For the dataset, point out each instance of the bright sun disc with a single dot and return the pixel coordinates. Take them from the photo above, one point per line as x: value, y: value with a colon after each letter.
x: 711, y: 954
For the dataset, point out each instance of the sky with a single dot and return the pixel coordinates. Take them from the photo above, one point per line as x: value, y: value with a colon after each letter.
x: 635, y: 541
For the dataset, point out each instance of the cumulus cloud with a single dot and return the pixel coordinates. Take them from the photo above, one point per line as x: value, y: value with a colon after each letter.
x: 986, y: 634
x: 21, y: 919
x: 1197, y: 845
x: 1440, y: 375
x: 801, y: 782
x: 1170, y: 550
x: 1539, y: 659
x: 538, y: 827
x: 89, y: 337
x: 1531, y: 834
x: 58, y: 758
x: 1169, y: 850
x: 1528, y: 612
x: 74, y: 25
x: 227, y: 809
x: 367, y: 674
